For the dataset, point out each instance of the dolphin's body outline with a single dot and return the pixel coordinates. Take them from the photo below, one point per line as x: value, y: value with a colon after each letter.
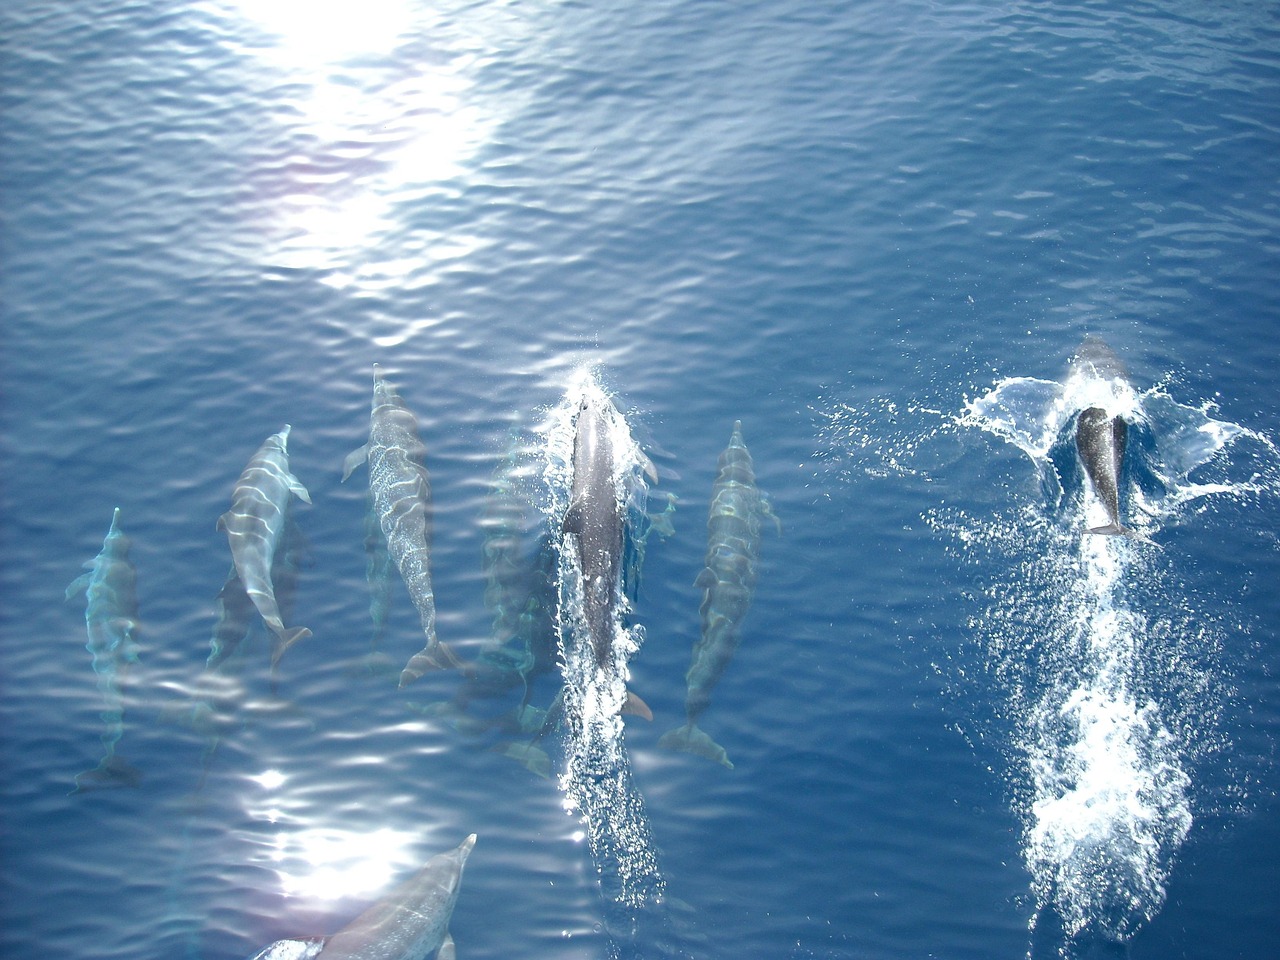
x: 401, y: 492
x: 111, y: 622
x: 410, y: 923
x: 728, y: 581
x: 258, y: 514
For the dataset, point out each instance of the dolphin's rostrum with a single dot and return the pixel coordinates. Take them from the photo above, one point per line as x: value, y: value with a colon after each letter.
x: 728, y: 581
x: 412, y: 923
x: 258, y: 514
x: 401, y: 494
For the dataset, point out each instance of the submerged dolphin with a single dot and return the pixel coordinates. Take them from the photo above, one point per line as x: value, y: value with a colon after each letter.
x: 111, y: 619
x: 728, y: 581
x: 258, y: 514
x: 401, y: 496
x: 412, y: 923
x: 595, y: 520
x: 1100, y: 437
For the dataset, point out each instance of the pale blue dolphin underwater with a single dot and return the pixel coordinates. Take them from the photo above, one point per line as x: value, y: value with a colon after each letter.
x: 401, y: 494
x: 412, y: 923
x: 259, y: 511
x: 728, y: 581
x: 111, y: 619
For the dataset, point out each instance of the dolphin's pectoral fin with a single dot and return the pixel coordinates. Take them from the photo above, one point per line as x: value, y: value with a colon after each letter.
x: 706, y: 579
x: 222, y: 522
x: 573, y: 517
x: 353, y: 460
x: 636, y: 707
x: 78, y: 586
x: 447, y: 950
x: 1111, y: 530
x: 297, y: 489
x: 766, y: 509
x: 690, y: 739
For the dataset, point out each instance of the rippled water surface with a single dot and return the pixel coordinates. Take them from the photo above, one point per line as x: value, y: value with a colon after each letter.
x: 874, y: 233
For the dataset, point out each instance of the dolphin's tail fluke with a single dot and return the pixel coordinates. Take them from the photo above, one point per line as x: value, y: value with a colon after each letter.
x: 434, y: 656
x: 286, y: 639
x: 691, y: 739
x: 112, y: 772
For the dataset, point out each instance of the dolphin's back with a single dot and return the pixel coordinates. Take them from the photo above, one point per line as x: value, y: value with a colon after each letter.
x: 1100, y: 442
x: 259, y: 511
x: 728, y: 581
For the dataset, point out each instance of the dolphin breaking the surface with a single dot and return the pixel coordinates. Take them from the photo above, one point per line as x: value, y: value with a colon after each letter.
x: 596, y: 524
x: 728, y: 581
x: 411, y: 923
x: 1100, y: 436
x: 111, y: 619
x: 401, y: 494
x: 258, y: 514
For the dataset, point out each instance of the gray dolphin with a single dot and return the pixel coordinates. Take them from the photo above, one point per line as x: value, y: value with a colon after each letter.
x: 401, y: 494
x: 411, y: 923
x: 111, y: 620
x: 1100, y: 437
x: 258, y: 514
x: 728, y: 581
x: 595, y: 520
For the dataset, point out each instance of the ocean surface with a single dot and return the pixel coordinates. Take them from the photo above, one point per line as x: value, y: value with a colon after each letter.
x: 876, y: 234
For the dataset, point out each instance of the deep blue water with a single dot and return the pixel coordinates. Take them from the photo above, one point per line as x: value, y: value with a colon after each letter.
x: 857, y: 229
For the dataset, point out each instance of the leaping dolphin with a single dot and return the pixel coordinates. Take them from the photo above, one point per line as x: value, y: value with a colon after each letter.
x: 401, y: 494
x: 412, y: 923
x: 595, y: 521
x: 728, y: 581
x: 1100, y: 437
x: 259, y: 511
x: 111, y: 620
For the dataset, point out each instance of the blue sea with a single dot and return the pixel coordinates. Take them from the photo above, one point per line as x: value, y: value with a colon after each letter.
x: 876, y: 234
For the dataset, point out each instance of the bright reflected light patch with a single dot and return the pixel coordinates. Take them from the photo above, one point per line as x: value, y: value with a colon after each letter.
x: 269, y: 780
x: 329, y: 864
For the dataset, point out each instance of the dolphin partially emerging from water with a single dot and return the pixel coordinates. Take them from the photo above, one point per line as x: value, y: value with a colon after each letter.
x: 401, y: 494
x: 1100, y: 437
x: 728, y: 581
x: 258, y: 514
x: 111, y: 619
x: 595, y: 520
x: 412, y: 923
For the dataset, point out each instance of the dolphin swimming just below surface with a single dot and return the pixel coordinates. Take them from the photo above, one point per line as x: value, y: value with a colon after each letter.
x: 412, y: 923
x: 401, y: 494
x: 595, y: 521
x: 1100, y: 436
x: 111, y: 619
x: 258, y: 514
x: 728, y: 581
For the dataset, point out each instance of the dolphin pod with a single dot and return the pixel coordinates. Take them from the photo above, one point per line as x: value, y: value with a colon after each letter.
x: 1100, y: 436
x: 727, y: 581
x: 410, y: 923
x: 258, y: 514
x: 111, y: 620
x: 401, y: 494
